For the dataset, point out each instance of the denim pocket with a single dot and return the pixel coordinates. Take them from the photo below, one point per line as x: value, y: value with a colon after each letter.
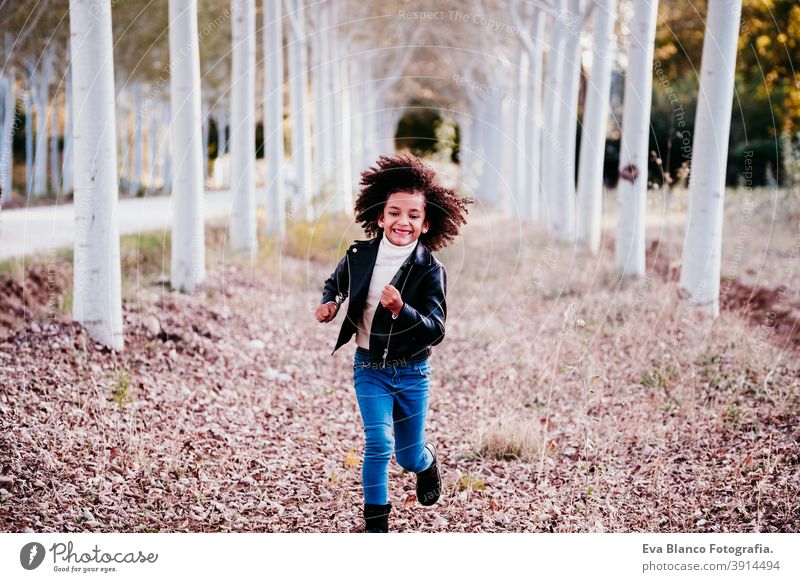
x: 423, y: 369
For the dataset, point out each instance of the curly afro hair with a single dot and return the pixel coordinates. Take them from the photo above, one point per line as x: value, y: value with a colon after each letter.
x: 445, y: 209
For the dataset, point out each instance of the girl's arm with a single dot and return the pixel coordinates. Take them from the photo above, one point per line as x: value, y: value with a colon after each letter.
x: 427, y: 320
x: 337, y: 285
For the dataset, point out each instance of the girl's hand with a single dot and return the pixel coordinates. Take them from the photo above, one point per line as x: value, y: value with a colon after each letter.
x: 326, y: 312
x: 391, y: 300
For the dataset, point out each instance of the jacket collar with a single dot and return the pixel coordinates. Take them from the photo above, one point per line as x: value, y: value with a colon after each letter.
x: 421, y: 255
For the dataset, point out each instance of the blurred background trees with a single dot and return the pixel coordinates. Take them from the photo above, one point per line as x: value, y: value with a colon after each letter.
x: 767, y: 100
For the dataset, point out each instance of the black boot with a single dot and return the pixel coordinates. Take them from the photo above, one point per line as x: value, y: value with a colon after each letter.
x: 429, y: 483
x: 376, y: 518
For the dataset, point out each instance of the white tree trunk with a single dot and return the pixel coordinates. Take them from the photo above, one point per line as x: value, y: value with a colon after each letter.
x: 8, y: 128
x: 519, y: 190
x: 340, y: 121
x: 370, y: 107
x: 389, y: 126
x: 323, y: 98
x: 124, y: 146
x: 54, y: 146
x: 137, y: 170
x: 187, y: 269
x: 67, y: 177
x: 595, y: 122
x: 629, y: 252
x: 205, y: 114
x: 328, y: 96
x: 40, y: 159
x: 505, y: 163
x: 466, y: 153
x: 552, y: 152
x: 222, y: 161
x: 97, y: 301
x: 344, y: 124
x: 365, y: 108
x: 243, y: 124
x: 152, y: 146
x: 567, y: 126
x: 28, y: 143
x: 476, y: 160
x: 702, y: 248
x: 356, y: 93
x: 301, y: 124
x: 533, y: 123
x: 273, y: 118
x: 165, y: 151
x: 491, y: 186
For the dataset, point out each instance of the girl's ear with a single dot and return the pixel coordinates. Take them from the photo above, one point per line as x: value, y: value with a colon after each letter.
x: 380, y: 219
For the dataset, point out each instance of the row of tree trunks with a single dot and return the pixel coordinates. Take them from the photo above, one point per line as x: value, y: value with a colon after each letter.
x: 556, y: 164
x: 540, y: 114
x: 47, y: 168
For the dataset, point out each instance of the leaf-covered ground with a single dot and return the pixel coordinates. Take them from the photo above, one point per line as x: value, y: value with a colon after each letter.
x: 561, y: 400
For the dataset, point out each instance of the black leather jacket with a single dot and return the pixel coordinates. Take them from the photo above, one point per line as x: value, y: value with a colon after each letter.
x: 422, y: 282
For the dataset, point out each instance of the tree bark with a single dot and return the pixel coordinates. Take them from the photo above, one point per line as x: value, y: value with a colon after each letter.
x: 97, y: 302
x: 552, y: 152
x: 595, y: 122
x: 342, y: 125
x: 206, y: 121
x: 54, y: 150
x: 629, y: 252
x: 301, y: 124
x: 124, y: 147
x: 567, y: 126
x: 702, y: 248
x: 243, y: 135
x: 67, y: 178
x: 533, y: 123
x: 275, y: 153
x: 40, y: 158
x: 137, y: 169
x: 28, y: 101
x: 520, y: 191
x: 9, y: 128
x: 152, y: 146
x: 165, y: 151
x: 187, y: 269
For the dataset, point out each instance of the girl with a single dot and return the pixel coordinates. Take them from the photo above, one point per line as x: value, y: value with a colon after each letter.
x: 397, y: 311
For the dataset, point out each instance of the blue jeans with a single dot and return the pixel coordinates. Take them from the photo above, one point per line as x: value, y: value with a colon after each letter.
x: 392, y: 397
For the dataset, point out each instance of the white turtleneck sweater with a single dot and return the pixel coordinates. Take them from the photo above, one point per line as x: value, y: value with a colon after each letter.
x: 387, y: 263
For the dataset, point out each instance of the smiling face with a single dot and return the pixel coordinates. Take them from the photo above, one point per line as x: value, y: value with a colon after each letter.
x: 403, y: 217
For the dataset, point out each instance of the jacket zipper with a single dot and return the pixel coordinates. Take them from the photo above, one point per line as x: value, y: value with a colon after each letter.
x: 391, y: 327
